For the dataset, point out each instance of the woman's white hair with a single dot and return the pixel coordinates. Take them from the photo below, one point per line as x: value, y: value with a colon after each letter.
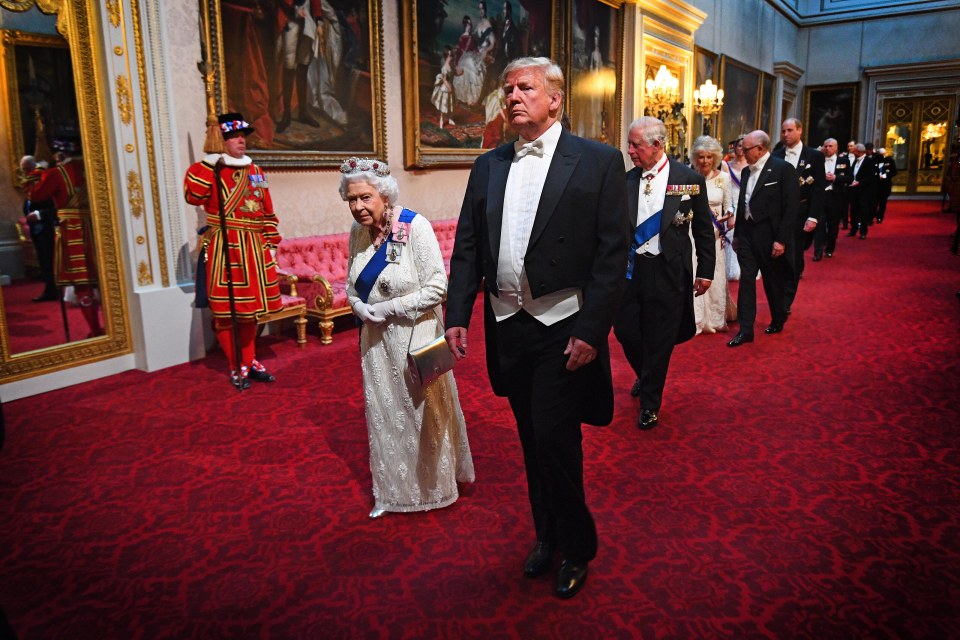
x: 710, y: 145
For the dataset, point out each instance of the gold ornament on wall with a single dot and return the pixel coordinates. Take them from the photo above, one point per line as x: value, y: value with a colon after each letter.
x: 136, y: 194
x: 113, y: 8
x: 144, y: 276
x: 124, y: 101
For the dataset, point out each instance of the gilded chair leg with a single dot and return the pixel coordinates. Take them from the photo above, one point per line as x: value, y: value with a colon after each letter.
x: 326, y: 332
x: 301, y: 324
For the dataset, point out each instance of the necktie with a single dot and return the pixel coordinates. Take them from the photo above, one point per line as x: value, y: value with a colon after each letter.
x: 534, y: 147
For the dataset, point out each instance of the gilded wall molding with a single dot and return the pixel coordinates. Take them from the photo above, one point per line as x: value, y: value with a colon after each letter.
x: 114, y: 11
x: 124, y: 101
x: 148, y: 134
x: 135, y: 197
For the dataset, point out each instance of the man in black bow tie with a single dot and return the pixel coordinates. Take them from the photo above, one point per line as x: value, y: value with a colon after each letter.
x: 544, y: 227
x: 765, y: 229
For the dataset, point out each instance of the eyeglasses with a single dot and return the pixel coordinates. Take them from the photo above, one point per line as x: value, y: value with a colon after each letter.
x: 745, y: 149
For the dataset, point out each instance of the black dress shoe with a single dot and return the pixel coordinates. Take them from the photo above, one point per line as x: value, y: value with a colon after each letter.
x: 648, y: 419
x: 740, y: 339
x: 261, y: 376
x: 539, y: 561
x: 47, y: 297
x: 240, y: 382
x: 817, y: 258
x: 776, y: 327
x: 635, y: 389
x: 571, y: 578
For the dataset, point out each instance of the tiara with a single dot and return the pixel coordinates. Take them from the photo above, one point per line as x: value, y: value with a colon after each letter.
x: 364, y: 165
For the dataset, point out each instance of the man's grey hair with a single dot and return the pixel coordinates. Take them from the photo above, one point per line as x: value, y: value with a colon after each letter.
x: 28, y: 164
x: 651, y: 129
x: 833, y: 140
x: 861, y: 147
x: 761, y: 137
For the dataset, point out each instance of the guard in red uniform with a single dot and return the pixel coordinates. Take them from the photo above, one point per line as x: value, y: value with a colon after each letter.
x: 251, y: 229
x: 75, y: 259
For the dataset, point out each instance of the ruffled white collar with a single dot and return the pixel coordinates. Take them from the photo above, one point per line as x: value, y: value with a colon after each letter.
x: 228, y: 160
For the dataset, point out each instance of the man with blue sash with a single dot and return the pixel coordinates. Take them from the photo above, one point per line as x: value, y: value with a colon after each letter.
x: 665, y: 199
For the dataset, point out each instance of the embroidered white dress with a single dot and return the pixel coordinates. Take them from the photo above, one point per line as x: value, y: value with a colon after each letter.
x: 710, y: 309
x: 418, y: 438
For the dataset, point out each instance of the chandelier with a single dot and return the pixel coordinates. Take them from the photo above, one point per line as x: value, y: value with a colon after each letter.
x: 708, y: 100
x: 933, y: 130
x: 663, y: 91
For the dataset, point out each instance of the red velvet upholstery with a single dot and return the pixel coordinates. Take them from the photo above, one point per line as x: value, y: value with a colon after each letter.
x: 320, y: 266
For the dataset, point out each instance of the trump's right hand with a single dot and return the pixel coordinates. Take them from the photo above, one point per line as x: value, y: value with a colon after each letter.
x: 457, y: 342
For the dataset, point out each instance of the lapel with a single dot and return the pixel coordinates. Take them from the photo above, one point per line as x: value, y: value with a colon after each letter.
x: 633, y: 194
x: 499, y: 170
x: 565, y: 160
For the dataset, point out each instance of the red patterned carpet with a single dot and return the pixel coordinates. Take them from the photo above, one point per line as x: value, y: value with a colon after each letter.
x: 804, y: 486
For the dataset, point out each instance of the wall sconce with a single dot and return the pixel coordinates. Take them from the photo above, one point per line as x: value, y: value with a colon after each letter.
x: 708, y: 100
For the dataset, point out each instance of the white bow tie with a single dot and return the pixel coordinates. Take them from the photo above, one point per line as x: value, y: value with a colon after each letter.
x: 534, y: 147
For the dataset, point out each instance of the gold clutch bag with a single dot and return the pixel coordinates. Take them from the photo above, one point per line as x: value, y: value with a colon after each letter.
x: 430, y: 361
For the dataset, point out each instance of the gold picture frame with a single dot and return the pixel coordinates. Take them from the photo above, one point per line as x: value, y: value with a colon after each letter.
x: 342, y: 77
x: 480, y: 122
x: 595, y: 50
x: 77, y: 22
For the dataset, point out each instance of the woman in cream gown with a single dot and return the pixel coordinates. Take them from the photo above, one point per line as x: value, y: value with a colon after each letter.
x: 418, y: 438
x: 711, y: 308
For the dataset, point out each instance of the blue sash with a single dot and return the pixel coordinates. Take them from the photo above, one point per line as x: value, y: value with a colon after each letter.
x: 645, y: 230
x: 368, y: 277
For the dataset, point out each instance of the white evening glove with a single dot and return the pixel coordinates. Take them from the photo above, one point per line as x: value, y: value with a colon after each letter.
x: 387, y: 308
x: 365, y: 312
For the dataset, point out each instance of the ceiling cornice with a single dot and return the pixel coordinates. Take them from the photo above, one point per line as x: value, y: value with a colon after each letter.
x: 826, y: 15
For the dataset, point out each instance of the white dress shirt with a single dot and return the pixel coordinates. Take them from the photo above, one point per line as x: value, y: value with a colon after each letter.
x: 755, y: 171
x: 528, y: 172
x: 649, y: 203
x: 830, y: 166
x: 793, y: 154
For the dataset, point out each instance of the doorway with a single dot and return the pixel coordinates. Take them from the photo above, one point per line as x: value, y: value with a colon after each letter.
x: 917, y: 136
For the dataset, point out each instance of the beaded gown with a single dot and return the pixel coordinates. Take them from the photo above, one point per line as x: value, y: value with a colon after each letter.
x: 418, y: 437
x: 710, y: 309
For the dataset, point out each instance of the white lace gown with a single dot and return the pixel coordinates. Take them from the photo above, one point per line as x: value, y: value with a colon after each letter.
x: 418, y: 437
x: 710, y: 309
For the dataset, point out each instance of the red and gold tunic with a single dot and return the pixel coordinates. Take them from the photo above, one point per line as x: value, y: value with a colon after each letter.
x: 251, y: 233
x: 75, y: 257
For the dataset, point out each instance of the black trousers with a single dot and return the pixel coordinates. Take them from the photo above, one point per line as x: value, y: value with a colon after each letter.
x: 648, y: 323
x: 825, y: 236
x: 546, y: 400
x: 883, y: 193
x: 44, y: 243
x: 754, y: 244
x: 802, y: 242
x: 864, y: 209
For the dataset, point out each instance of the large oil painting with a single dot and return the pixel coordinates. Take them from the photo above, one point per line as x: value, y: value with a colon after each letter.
x: 595, y: 63
x: 453, y: 53
x: 40, y: 98
x: 307, y: 74
x: 829, y: 111
x: 741, y: 97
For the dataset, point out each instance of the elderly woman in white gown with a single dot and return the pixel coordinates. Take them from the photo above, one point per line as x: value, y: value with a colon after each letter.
x: 711, y: 308
x: 395, y: 284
